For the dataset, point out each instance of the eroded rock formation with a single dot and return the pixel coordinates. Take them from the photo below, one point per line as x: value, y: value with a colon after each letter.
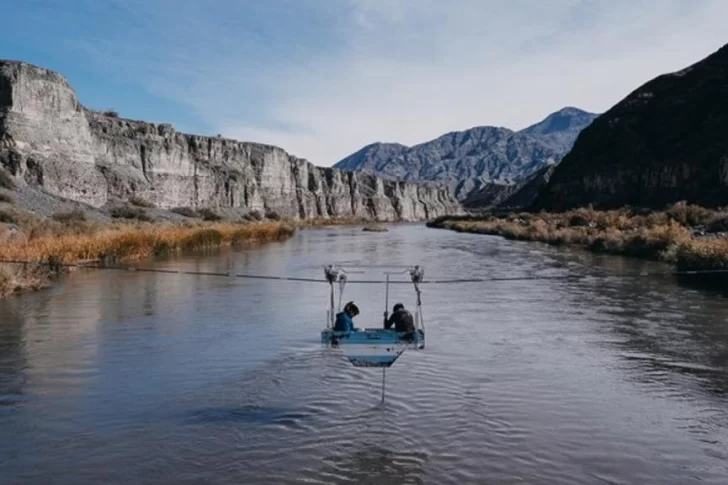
x: 49, y: 140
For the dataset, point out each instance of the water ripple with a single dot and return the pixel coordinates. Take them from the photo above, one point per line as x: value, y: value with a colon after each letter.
x: 140, y: 378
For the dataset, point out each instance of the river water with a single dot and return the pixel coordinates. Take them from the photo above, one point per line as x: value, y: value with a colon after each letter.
x: 146, y: 378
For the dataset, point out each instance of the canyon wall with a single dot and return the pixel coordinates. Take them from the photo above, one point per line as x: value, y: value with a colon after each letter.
x: 665, y: 142
x: 49, y: 140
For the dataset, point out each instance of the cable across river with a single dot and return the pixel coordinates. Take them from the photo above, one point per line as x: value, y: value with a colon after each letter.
x: 229, y: 274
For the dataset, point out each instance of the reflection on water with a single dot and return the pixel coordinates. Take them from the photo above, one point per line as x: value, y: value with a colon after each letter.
x: 373, y: 463
x: 133, y: 377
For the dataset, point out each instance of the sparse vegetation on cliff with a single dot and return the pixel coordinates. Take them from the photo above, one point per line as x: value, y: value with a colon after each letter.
x: 69, y: 238
x: 689, y: 236
x: 6, y: 181
x: 140, y: 202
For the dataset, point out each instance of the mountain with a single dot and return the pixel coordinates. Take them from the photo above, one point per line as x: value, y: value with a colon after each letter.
x: 515, y: 196
x: 665, y: 142
x: 468, y: 160
x: 560, y: 129
x: 50, y: 142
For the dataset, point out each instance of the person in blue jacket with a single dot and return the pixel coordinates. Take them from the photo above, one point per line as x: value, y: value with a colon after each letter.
x: 344, y: 322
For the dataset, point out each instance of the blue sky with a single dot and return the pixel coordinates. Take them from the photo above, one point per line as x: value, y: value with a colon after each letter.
x: 322, y: 78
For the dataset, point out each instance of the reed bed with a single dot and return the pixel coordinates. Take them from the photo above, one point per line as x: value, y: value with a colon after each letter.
x: 691, y: 237
x: 52, y: 242
x: 135, y: 241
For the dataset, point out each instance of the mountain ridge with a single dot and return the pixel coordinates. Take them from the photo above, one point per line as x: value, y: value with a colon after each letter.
x: 466, y: 160
x: 662, y: 143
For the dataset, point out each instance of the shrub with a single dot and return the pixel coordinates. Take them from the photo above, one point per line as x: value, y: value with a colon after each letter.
x: 185, y: 211
x: 719, y: 223
x: 273, y: 215
x: 690, y: 215
x: 140, y: 202
x: 209, y: 215
x: 8, y: 217
x: 111, y: 112
x: 6, y: 180
x: 6, y: 198
x: 126, y: 212
x: 75, y: 215
x: 253, y: 216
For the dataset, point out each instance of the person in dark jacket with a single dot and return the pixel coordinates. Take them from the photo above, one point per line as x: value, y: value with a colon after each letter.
x: 344, y: 322
x: 401, y: 319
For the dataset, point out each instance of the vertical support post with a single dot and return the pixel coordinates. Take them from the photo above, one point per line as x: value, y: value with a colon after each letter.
x: 384, y: 374
x: 386, y: 300
x: 331, y: 306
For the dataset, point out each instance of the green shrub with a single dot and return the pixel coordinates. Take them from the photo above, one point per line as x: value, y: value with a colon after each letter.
x: 209, y: 215
x: 8, y: 217
x: 6, y: 180
x: 126, y: 212
x: 75, y: 215
x: 185, y: 211
x: 273, y: 215
x: 140, y: 202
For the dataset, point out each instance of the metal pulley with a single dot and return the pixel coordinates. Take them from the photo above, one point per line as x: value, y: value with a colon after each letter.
x: 417, y: 274
x: 331, y: 273
x: 342, y: 284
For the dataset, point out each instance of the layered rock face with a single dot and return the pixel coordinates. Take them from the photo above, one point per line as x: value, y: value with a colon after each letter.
x: 665, y: 142
x: 48, y: 139
x: 516, y: 196
x: 482, y: 160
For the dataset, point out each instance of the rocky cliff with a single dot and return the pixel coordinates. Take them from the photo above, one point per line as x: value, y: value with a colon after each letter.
x: 666, y: 141
x: 514, y: 196
x: 470, y: 161
x: 49, y: 140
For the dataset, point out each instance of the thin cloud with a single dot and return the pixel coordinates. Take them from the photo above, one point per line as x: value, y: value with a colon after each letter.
x: 507, y: 66
x: 322, y: 78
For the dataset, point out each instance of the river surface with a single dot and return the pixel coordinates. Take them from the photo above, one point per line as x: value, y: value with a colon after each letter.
x: 145, y: 378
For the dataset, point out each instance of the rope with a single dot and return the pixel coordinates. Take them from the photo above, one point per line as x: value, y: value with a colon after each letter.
x: 318, y: 280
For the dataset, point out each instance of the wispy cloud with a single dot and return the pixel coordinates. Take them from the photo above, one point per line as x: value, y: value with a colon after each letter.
x: 321, y: 78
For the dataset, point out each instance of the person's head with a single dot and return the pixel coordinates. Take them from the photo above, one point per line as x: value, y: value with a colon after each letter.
x: 398, y: 307
x: 351, y: 309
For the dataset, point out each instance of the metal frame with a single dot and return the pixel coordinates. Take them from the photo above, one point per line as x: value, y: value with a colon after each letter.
x: 373, y: 347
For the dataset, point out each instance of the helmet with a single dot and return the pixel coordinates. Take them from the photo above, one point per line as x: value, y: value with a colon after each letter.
x: 398, y: 307
x: 351, y: 308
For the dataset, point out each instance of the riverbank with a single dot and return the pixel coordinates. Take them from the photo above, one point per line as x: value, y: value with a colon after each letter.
x: 687, y: 236
x: 68, y: 238
x: 47, y: 244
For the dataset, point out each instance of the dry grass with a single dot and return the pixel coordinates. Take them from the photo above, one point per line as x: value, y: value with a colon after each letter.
x: 69, y: 238
x: 659, y: 235
x: 16, y: 278
x: 135, y: 241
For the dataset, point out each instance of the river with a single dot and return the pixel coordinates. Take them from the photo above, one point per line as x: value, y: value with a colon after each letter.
x: 148, y: 378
